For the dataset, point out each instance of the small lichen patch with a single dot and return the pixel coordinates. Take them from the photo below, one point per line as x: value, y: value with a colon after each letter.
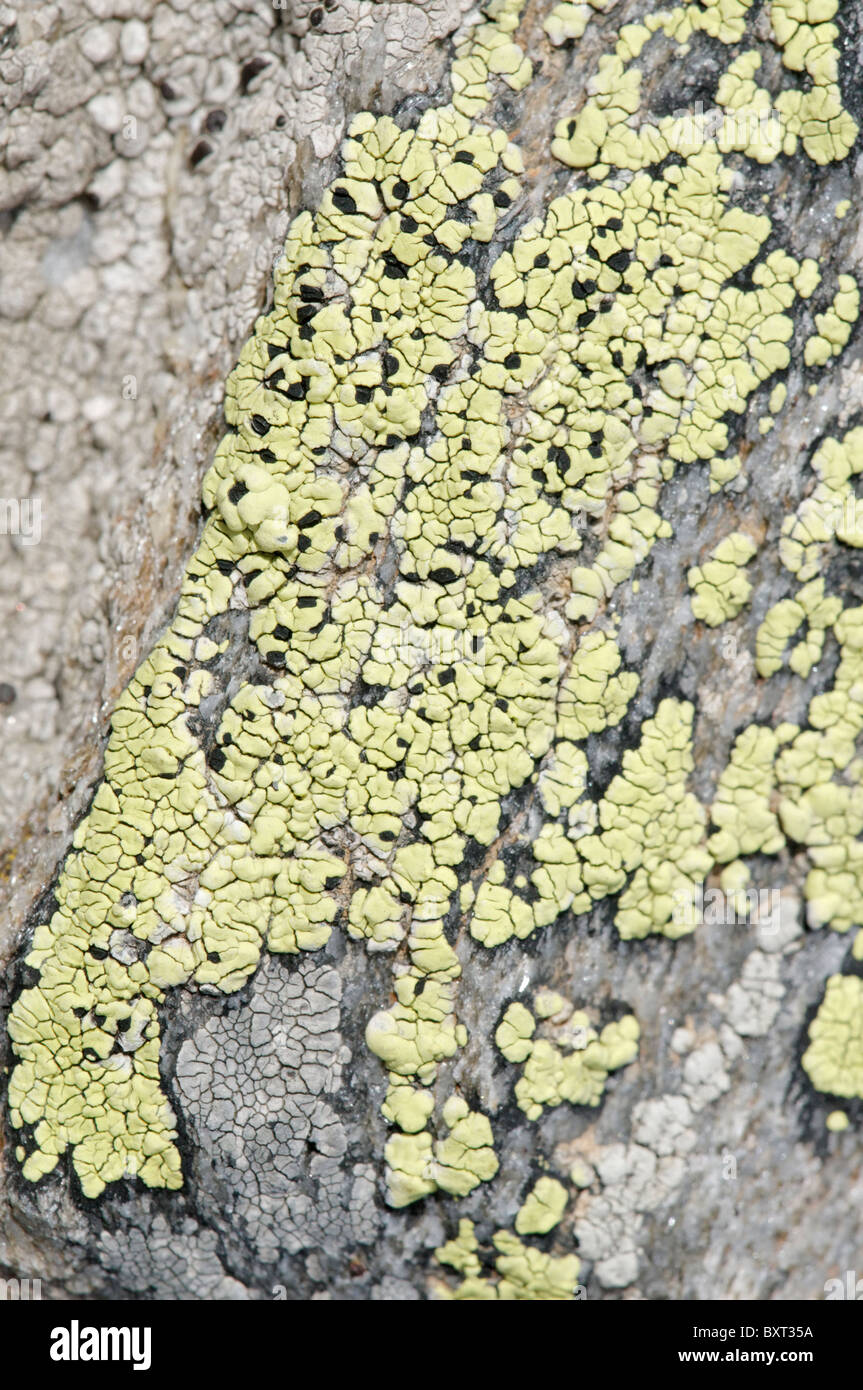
x: 521, y: 1272
x: 567, y: 1060
x: 542, y: 1208
x: 834, y: 1058
x: 834, y: 325
x: 720, y: 588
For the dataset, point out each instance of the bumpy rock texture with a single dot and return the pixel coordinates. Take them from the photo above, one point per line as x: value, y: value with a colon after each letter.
x: 465, y: 908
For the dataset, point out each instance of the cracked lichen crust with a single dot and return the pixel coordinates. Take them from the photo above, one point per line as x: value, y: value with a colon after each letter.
x: 383, y: 643
x: 258, y: 1089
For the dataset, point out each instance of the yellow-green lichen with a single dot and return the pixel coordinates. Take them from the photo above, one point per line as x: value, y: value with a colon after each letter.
x: 569, y: 20
x: 720, y: 588
x: 542, y: 1208
x: 810, y: 606
x: 834, y: 1058
x: 567, y: 1059
x: 521, y: 1272
x: 417, y: 1166
x: 813, y: 112
x: 742, y: 809
x: 830, y: 512
x: 834, y: 325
